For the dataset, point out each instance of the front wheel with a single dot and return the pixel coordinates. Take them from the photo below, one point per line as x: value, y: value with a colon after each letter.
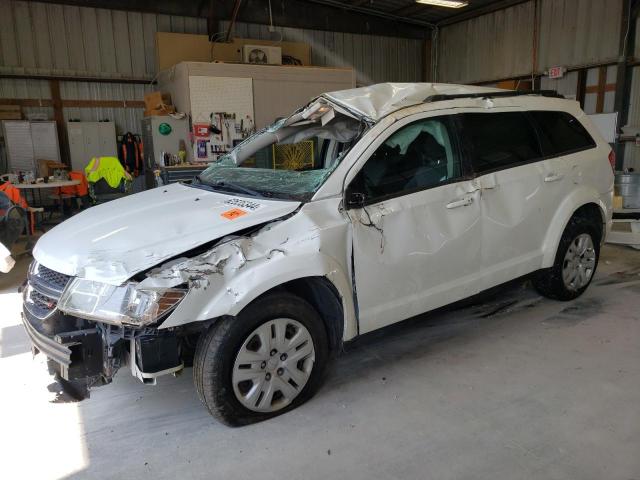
x: 575, y: 264
x: 266, y: 361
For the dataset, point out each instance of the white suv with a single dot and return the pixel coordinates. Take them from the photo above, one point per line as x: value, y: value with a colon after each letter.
x: 362, y: 209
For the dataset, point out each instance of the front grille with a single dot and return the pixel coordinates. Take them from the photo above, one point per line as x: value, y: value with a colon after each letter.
x: 53, y: 282
x: 43, y: 290
x: 41, y: 304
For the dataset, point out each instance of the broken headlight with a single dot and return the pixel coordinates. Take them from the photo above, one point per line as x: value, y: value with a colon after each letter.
x: 120, y: 305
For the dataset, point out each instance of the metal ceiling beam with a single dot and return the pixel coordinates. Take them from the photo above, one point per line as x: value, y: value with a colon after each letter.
x: 286, y: 13
x: 410, y: 9
x: 477, y: 12
x: 373, y: 12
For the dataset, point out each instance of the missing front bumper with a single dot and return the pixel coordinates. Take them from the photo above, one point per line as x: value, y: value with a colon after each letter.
x: 77, y: 354
x: 91, y: 356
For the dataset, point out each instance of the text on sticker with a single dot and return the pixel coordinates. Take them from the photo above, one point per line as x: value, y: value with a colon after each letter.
x: 241, y: 203
x: 233, y: 213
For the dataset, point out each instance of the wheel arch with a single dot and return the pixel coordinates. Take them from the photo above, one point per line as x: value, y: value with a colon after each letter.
x: 582, y: 203
x: 324, y: 297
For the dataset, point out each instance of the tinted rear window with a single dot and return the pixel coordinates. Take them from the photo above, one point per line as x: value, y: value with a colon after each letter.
x: 500, y: 140
x: 562, y: 133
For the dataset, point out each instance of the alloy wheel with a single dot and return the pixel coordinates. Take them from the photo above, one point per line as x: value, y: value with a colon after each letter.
x: 579, y: 263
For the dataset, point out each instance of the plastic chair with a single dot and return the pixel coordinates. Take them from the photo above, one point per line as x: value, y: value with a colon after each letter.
x: 101, y: 192
x: 78, y: 192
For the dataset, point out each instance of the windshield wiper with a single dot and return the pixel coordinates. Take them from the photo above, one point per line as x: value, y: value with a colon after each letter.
x: 228, y: 186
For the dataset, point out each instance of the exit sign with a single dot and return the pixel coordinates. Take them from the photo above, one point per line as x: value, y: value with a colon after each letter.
x: 556, y: 72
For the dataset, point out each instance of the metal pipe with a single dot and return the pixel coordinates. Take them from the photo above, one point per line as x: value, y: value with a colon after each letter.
x: 234, y: 15
x: 534, y: 53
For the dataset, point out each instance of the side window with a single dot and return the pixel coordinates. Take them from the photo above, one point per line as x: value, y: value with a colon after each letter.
x: 500, y: 140
x: 562, y: 133
x: 417, y: 156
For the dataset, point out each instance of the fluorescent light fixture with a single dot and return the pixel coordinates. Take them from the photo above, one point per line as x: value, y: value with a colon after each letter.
x: 445, y: 3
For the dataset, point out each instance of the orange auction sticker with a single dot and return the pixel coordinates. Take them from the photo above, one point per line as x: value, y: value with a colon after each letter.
x: 233, y: 213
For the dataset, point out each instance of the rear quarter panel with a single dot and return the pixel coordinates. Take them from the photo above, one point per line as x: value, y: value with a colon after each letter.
x: 591, y: 181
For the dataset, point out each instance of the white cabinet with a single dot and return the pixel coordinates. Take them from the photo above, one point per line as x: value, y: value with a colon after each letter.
x: 90, y: 139
x: 27, y: 142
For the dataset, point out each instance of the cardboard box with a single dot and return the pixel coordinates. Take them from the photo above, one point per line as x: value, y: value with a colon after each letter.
x: 173, y: 48
x: 10, y: 112
x: 156, y: 100
x: 159, y: 111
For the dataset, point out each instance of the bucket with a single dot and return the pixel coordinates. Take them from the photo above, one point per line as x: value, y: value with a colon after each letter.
x: 627, y: 185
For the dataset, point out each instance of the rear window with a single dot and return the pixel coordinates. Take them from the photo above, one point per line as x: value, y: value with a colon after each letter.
x: 500, y: 140
x: 561, y: 133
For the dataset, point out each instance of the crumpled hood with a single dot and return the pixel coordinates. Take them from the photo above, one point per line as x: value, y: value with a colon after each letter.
x: 376, y: 101
x: 116, y: 240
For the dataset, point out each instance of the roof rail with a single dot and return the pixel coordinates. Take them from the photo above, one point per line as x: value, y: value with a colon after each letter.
x: 506, y: 93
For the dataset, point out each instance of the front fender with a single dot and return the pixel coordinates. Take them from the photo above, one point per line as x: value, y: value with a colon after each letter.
x: 577, y: 198
x: 228, y: 277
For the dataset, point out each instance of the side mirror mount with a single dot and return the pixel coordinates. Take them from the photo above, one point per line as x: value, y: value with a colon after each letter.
x: 355, y: 199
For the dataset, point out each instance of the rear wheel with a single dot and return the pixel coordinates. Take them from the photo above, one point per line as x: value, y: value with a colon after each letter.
x: 266, y: 361
x: 575, y: 264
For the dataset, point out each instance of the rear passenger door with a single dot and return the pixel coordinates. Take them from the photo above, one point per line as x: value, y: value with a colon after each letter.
x: 520, y: 191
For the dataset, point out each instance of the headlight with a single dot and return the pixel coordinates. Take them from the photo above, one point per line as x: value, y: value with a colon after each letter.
x: 122, y: 305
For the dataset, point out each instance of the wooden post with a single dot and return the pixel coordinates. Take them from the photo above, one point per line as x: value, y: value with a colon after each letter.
x: 581, y: 87
x: 58, y: 116
x: 602, y: 83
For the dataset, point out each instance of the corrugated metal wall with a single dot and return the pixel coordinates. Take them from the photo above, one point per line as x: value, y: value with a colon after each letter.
x: 375, y: 58
x: 490, y: 47
x: 579, y: 32
x: 61, y: 39
x: 50, y: 39
x: 499, y: 45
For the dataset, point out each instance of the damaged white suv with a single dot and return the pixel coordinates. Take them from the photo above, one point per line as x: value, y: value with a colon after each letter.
x: 362, y: 209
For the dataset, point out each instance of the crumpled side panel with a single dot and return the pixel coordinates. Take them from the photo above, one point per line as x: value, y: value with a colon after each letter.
x: 226, y: 278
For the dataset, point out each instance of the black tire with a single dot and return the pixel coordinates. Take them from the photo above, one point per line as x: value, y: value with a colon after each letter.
x: 549, y: 282
x: 218, y: 347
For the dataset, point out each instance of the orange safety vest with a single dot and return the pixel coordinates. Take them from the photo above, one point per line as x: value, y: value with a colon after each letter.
x: 79, y: 190
x: 14, y: 194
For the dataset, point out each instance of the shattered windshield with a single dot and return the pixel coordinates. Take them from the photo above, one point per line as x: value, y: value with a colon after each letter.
x: 290, y: 159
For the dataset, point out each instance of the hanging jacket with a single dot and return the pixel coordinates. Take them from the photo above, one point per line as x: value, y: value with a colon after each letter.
x: 108, y: 168
x: 131, y: 155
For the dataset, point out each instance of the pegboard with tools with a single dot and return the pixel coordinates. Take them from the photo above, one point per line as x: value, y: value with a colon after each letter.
x: 222, y: 114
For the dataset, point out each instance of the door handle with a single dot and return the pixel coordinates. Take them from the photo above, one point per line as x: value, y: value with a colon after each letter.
x: 553, y: 177
x: 462, y: 202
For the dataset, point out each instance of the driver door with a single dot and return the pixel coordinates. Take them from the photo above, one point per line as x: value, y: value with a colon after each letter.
x: 415, y: 218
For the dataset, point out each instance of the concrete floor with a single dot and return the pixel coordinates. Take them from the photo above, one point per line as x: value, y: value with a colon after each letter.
x: 518, y: 387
